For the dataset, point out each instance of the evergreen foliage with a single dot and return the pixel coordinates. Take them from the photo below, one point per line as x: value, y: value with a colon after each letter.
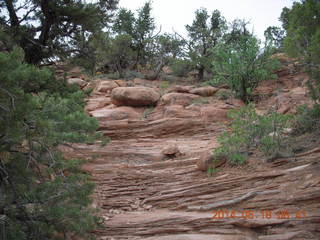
x: 44, y: 28
x: 241, y: 64
x: 250, y: 130
x: 43, y: 194
x: 302, y: 23
x: 204, y: 33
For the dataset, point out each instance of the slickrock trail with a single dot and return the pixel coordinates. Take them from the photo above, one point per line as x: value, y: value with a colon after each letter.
x: 149, y: 186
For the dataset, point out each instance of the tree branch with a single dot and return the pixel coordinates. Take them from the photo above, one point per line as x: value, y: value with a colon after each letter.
x: 14, y: 20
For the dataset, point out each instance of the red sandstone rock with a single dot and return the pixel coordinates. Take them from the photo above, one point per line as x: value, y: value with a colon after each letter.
x: 205, y: 91
x: 134, y: 96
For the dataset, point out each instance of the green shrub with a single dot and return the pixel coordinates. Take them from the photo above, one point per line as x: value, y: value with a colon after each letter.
x: 223, y: 95
x: 112, y: 75
x: 41, y: 192
x: 169, y: 78
x: 242, y: 64
x: 308, y: 119
x: 250, y: 130
x: 130, y: 74
x: 180, y: 67
x: 164, y: 85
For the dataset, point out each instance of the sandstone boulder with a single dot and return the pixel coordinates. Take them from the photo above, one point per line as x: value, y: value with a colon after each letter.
x: 180, y: 89
x: 183, y: 99
x: 134, y: 96
x: 171, y: 151
x: 204, y: 91
x: 96, y: 103
x: 121, y: 83
x: 206, y: 160
x: 118, y: 113
x: 105, y: 86
x: 78, y: 81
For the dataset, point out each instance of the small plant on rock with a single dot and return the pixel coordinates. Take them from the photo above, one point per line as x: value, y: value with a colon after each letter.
x: 250, y: 130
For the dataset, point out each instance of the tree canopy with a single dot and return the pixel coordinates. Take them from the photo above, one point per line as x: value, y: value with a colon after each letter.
x: 302, y: 24
x: 43, y: 29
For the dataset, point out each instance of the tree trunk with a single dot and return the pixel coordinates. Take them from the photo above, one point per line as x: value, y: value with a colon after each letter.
x: 158, y: 70
x: 243, y: 91
x: 200, y: 73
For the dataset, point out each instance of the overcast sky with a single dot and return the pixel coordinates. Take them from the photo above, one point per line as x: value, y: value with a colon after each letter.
x: 175, y: 14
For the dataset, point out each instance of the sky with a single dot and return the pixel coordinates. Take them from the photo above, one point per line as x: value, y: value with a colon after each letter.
x: 175, y: 14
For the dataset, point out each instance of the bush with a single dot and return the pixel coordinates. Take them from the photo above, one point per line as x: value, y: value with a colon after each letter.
x: 41, y: 193
x: 223, y: 94
x: 250, y: 130
x: 308, y: 119
x: 242, y: 64
x: 180, y: 67
x: 130, y: 74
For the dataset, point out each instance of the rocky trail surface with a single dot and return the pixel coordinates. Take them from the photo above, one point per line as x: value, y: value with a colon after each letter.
x: 149, y: 185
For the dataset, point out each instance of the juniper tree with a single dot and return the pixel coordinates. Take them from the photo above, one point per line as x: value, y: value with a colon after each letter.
x: 204, y: 33
x: 302, y: 24
x: 242, y: 64
x: 44, y: 28
x: 43, y: 195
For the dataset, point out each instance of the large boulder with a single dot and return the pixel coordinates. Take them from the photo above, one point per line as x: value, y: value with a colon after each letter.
x: 183, y: 99
x: 118, y: 113
x: 134, y: 96
x: 78, y: 81
x: 205, y: 91
x: 105, y: 86
x: 96, y: 103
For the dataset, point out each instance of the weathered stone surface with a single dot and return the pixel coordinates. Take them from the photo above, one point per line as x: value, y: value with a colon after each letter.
x: 143, y: 194
x: 180, y: 89
x: 205, y: 91
x: 118, y: 113
x: 171, y: 151
x: 214, y: 113
x: 183, y: 99
x: 204, y: 161
x: 97, y: 103
x: 105, y: 86
x: 179, y: 111
x: 78, y: 81
x: 134, y: 96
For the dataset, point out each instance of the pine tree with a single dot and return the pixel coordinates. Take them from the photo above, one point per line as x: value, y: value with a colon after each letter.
x: 302, y: 23
x: 43, y: 29
x: 43, y: 195
x: 242, y: 64
x: 204, y: 33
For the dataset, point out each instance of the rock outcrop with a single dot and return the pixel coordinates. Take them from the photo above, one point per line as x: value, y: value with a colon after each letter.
x: 105, y: 86
x: 134, y: 96
x: 77, y: 81
x: 183, y: 99
x: 204, y: 91
x: 149, y: 185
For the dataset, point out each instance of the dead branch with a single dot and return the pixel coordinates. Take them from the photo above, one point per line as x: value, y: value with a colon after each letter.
x: 231, y: 201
